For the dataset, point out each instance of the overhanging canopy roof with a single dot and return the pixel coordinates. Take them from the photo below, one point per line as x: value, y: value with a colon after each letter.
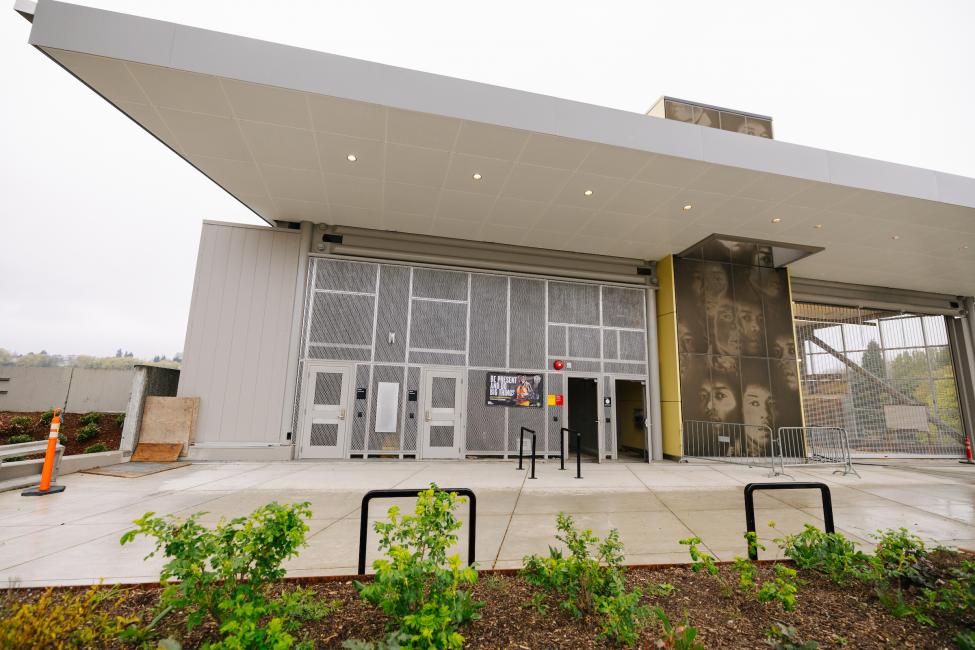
x: 273, y: 125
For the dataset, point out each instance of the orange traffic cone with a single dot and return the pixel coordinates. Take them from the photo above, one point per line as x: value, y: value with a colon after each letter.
x: 49, y: 456
x: 968, y: 452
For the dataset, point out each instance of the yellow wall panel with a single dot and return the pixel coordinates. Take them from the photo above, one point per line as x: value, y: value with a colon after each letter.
x: 670, y: 419
x: 667, y: 351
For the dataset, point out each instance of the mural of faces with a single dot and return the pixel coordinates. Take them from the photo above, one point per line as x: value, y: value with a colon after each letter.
x: 736, y: 344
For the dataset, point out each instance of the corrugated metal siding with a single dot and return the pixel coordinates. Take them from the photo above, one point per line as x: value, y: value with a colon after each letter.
x: 238, y: 334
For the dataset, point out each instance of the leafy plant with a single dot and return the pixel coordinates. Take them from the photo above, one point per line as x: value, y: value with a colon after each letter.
x: 90, y: 418
x: 900, y: 607
x: 46, y: 417
x: 95, y: 448
x: 901, y: 556
x: 417, y: 585
x: 120, y: 420
x: 661, y: 590
x: 956, y: 597
x: 590, y: 580
x: 87, y: 432
x: 786, y: 637
x: 20, y: 437
x: 781, y: 588
x: 224, y: 573
x: 19, y: 424
x: 65, y: 620
x: 676, y: 637
x: 966, y: 639
x: 829, y: 553
x: 700, y: 561
x: 747, y: 573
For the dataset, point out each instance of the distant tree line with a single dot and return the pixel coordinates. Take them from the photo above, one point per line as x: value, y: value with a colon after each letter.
x: 121, y: 360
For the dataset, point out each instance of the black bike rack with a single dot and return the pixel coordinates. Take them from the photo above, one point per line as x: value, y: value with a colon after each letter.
x: 392, y: 494
x: 521, y: 449
x: 578, y: 450
x: 751, y: 488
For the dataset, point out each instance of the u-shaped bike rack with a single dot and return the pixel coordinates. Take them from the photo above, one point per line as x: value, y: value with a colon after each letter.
x: 393, y: 494
x: 751, y: 488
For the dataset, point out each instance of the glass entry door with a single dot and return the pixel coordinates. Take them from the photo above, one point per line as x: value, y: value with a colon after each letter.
x: 442, y: 430
x: 324, y: 424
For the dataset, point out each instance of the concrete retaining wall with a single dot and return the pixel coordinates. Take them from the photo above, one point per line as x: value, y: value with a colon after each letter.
x: 84, y: 389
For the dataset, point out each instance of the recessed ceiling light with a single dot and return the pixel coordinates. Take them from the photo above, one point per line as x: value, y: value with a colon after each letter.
x: 476, y: 176
x: 351, y: 157
x: 818, y: 226
x: 688, y: 207
x: 965, y: 247
x: 588, y: 192
x: 895, y: 236
x: 776, y: 220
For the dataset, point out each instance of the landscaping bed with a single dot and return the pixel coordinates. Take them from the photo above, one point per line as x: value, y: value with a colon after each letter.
x: 107, y: 430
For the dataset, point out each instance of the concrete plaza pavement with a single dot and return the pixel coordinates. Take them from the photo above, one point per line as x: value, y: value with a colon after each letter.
x: 73, y: 537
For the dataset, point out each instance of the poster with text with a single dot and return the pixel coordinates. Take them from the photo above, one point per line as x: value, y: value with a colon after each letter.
x: 514, y: 389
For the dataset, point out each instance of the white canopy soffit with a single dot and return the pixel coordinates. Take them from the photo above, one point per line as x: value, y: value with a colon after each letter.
x: 275, y: 125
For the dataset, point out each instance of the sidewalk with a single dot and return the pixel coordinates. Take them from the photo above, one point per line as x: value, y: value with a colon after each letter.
x: 72, y: 538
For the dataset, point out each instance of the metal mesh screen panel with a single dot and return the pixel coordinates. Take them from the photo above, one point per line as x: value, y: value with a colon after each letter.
x: 339, y: 354
x: 633, y: 346
x: 442, y: 392
x: 585, y: 365
x: 624, y: 307
x: 625, y: 368
x: 394, y: 301
x: 341, y: 318
x: 442, y: 436
x: 358, y: 438
x: 324, y: 435
x: 438, y: 325
x: 610, y: 347
x: 577, y: 304
x: 554, y: 425
x: 527, y: 327
x: 534, y: 419
x: 583, y: 342
x: 336, y: 275
x: 885, y: 377
x: 485, y: 424
x: 328, y: 388
x: 384, y: 441
x: 556, y: 340
x: 442, y: 285
x: 489, y: 314
x: 437, y: 358
x: 409, y: 409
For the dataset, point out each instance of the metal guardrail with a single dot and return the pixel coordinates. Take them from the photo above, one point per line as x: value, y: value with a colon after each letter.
x: 393, y: 494
x: 751, y: 488
x: 796, y: 446
x: 730, y: 442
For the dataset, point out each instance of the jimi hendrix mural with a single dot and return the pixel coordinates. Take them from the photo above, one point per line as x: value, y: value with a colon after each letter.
x: 735, y: 340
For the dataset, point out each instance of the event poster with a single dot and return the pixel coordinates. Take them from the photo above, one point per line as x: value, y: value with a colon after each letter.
x: 514, y: 389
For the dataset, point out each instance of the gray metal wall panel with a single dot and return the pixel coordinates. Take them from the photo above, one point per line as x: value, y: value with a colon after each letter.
x: 534, y: 419
x: 438, y: 325
x: 441, y: 285
x: 623, y: 307
x: 489, y: 316
x: 326, y: 352
x: 554, y: 416
x: 239, y: 332
x: 575, y: 303
x: 633, y: 346
x: 583, y: 342
x: 393, y: 306
x: 610, y: 344
x: 357, y: 438
x: 410, y: 421
x: 338, y: 275
x: 437, y: 358
x: 345, y: 319
x: 485, y: 424
x: 527, y: 324
x: 556, y: 340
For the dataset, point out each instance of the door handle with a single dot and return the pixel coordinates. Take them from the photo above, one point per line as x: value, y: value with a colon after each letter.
x: 341, y: 413
x: 427, y: 415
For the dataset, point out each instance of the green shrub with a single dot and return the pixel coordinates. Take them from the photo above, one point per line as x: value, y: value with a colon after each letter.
x: 120, y: 420
x: 71, y: 619
x: 901, y: 556
x: 87, y: 432
x: 589, y: 582
x: 95, y: 448
x: 956, y: 596
x: 416, y: 584
x: 20, y: 437
x: 223, y: 574
x: 829, y: 553
x: 966, y: 639
x: 702, y: 561
x: 46, y: 417
x: 90, y: 418
x: 781, y: 588
x: 19, y: 424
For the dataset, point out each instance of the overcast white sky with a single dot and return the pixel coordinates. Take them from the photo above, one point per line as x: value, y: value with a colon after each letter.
x: 99, y: 223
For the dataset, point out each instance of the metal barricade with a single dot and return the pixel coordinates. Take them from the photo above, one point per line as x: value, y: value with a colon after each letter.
x: 798, y: 446
x: 729, y: 442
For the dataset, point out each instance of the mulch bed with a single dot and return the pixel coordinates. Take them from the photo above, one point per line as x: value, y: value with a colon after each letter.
x: 109, y: 434
x: 848, y: 616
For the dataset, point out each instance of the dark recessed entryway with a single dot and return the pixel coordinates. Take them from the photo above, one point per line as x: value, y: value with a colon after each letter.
x: 583, y: 396
x: 631, y: 413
